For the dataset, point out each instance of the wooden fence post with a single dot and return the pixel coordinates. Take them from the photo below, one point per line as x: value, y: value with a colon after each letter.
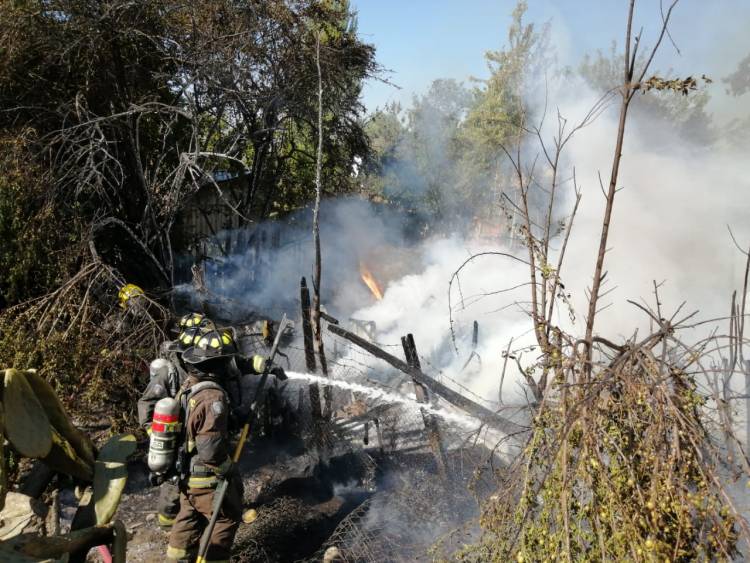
x: 430, y: 423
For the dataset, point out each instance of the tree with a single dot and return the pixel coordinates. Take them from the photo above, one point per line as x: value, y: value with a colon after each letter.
x: 663, y: 111
x: 126, y: 108
x: 416, y: 153
x: 118, y: 111
x: 443, y: 157
x: 385, y: 130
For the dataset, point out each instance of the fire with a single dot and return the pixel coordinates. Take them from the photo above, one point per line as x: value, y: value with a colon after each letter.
x: 370, y: 281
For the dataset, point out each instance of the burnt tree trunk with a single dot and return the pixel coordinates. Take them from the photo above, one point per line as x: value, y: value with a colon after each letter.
x: 317, y: 268
x: 307, y: 336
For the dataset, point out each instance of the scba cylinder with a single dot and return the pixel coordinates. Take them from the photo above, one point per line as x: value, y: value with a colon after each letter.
x: 165, y: 429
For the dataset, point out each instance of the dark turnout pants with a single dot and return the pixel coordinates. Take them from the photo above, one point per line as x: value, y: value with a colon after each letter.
x: 195, y: 511
x: 169, y: 503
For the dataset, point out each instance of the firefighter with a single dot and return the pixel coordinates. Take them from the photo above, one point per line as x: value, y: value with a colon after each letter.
x: 169, y: 372
x: 166, y: 380
x: 205, y: 456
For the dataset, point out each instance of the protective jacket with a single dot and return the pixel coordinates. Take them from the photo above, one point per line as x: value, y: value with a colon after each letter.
x: 240, y: 402
x: 206, y: 406
x: 208, y: 451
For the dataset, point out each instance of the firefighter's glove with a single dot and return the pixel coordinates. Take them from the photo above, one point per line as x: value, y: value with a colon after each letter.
x: 279, y: 373
x: 259, y: 364
x: 156, y: 479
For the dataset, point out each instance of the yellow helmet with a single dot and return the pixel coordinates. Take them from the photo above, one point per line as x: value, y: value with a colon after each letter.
x: 128, y: 292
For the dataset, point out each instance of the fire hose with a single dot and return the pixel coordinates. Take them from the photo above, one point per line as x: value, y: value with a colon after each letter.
x: 221, y: 490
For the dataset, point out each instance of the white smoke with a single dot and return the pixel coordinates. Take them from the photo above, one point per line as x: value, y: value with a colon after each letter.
x: 418, y: 304
x: 670, y: 226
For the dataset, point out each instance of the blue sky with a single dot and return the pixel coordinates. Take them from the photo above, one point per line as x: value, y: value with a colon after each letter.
x: 421, y: 40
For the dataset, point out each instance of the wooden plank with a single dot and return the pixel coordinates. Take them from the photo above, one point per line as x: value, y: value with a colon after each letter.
x: 328, y: 318
x: 456, y: 399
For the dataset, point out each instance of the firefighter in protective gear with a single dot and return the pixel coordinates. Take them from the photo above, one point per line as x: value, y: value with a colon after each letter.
x: 167, y: 375
x: 166, y: 380
x: 233, y: 369
x: 190, y: 326
x: 205, y: 458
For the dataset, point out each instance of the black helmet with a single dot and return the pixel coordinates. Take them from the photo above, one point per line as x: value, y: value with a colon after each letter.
x: 187, y: 338
x: 211, y: 345
x: 195, y: 319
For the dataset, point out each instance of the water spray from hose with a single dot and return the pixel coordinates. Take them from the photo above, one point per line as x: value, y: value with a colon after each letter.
x: 467, y: 422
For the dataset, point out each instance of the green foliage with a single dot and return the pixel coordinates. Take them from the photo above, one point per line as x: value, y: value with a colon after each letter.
x: 444, y: 156
x: 616, y: 471
x: 128, y: 107
x: 120, y: 109
x: 94, y: 370
x: 663, y: 107
x: 35, y: 252
x: 417, y: 152
x: 501, y: 102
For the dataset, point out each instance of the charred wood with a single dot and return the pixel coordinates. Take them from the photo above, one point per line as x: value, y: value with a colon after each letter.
x: 430, y: 424
x: 307, y: 336
x: 456, y: 399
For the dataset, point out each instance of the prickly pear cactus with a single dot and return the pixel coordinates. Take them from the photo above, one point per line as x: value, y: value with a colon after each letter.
x: 37, y: 426
x: 79, y: 441
x: 63, y: 458
x: 26, y: 424
x: 110, y: 476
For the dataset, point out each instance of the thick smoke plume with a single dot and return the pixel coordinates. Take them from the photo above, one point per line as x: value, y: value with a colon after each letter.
x: 670, y: 226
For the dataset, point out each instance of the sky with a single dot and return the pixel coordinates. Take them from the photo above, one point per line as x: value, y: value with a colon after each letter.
x: 422, y: 40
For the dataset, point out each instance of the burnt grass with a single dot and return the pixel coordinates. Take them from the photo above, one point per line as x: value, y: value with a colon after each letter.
x: 302, y: 501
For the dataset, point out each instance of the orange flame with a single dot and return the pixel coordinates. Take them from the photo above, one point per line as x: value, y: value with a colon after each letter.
x: 370, y: 281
